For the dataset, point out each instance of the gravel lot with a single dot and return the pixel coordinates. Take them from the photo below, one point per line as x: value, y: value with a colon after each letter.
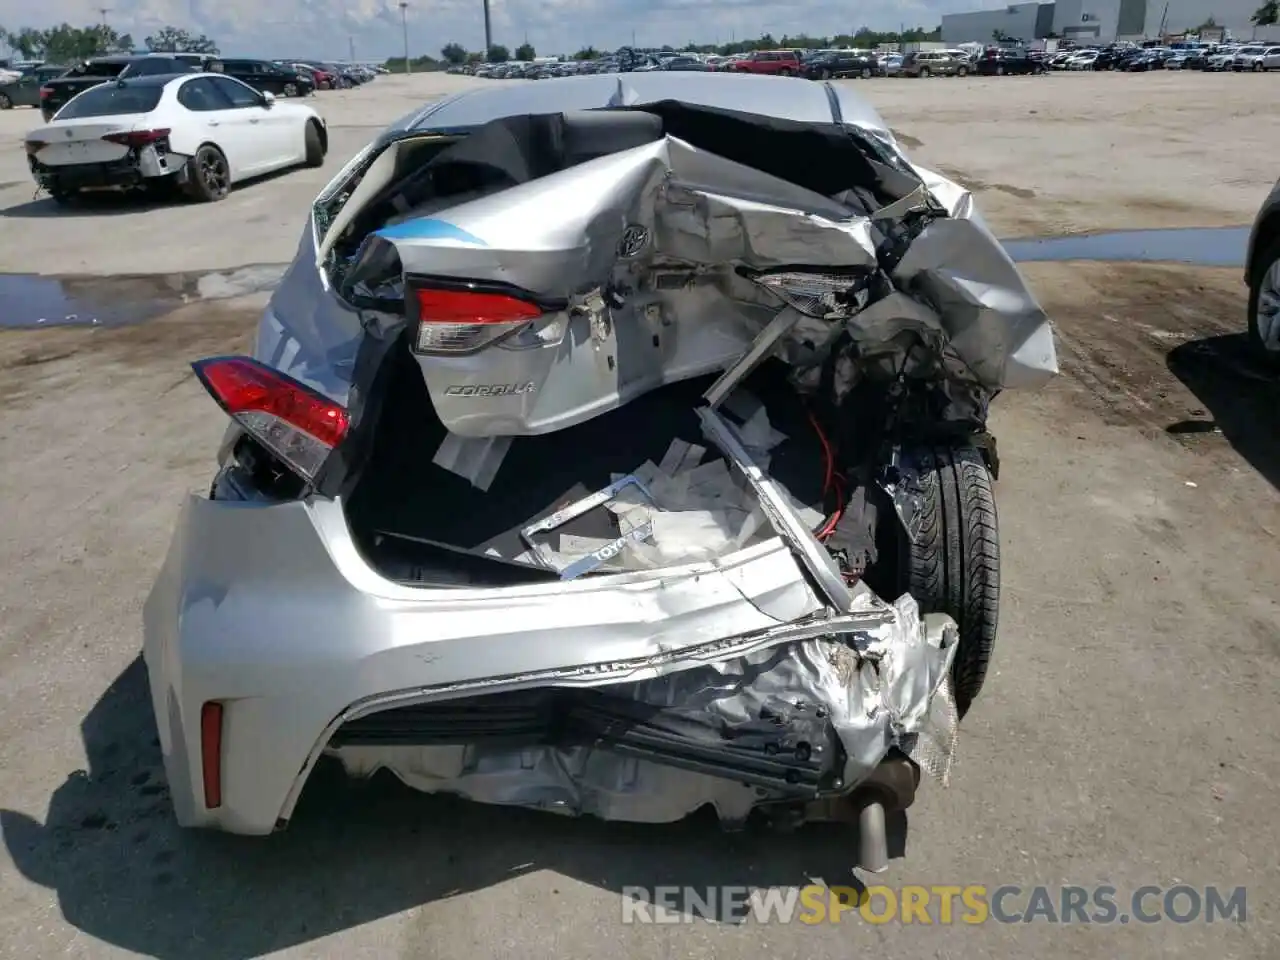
x: 1128, y: 735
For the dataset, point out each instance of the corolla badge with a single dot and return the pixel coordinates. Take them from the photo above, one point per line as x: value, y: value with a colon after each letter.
x: 634, y: 238
x: 488, y: 389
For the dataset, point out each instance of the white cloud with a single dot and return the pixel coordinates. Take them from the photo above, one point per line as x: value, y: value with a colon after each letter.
x: 324, y: 28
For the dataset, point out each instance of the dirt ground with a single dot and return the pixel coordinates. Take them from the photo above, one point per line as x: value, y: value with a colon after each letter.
x: 1126, y: 737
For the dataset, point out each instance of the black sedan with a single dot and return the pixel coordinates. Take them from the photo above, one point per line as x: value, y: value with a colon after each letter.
x: 1000, y: 63
x: 1152, y: 60
x: 267, y: 77
x: 690, y: 64
x: 834, y: 65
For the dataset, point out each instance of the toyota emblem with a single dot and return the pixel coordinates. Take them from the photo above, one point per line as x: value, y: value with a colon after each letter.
x: 634, y: 237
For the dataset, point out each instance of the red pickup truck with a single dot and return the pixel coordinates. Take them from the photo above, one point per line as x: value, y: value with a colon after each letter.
x: 782, y: 63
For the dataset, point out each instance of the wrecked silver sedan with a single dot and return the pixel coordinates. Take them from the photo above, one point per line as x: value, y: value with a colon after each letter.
x: 613, y: 446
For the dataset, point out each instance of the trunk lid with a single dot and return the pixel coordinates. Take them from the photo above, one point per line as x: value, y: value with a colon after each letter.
x: 81, y: 141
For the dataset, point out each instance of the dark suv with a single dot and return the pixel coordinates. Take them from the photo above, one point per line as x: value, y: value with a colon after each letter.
x: 56, y: 92
x: 999, y: 63
x: 842, y: 63
x: 267, y: 77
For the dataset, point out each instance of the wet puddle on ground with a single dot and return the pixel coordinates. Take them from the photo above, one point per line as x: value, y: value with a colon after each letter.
x: 1200, y: 246
x: 28, y: 301
x: 33, y: 301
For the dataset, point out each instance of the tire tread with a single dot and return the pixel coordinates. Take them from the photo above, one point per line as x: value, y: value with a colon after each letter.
x: 954, y: 565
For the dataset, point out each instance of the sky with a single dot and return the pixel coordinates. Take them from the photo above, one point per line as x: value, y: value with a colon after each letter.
x: 330, y: 28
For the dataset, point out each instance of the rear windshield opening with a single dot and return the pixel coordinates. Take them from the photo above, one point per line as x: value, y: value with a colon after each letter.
x: 99, y: 69
x: 110, y: 100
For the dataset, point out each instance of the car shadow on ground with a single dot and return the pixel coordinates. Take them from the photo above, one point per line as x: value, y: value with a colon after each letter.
x: 111, y: 203
x: 355, y: 851
x: 1241, y: 396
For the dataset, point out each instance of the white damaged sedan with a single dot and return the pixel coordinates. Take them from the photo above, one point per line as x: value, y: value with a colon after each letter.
x: 198, y: 132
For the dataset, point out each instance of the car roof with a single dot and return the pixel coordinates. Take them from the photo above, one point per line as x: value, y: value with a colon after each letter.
x: 778, y: 97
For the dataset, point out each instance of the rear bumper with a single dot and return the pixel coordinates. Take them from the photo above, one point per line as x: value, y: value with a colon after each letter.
x: 131, y: 170
x: 270, y: 610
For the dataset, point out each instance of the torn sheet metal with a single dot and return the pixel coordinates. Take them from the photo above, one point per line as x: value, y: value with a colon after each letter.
x: 879, y: 677
x: 667, y: 232
x: 775, y: 502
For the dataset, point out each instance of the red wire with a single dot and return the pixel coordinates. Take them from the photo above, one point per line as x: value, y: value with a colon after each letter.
x: 828, y: 460
x: 829, y: 480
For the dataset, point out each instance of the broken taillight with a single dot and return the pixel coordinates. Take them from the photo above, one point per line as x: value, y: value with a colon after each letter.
x: 136, y: 138
x: 461, y: 317
x: 818, y: 293
x: 294, y: 422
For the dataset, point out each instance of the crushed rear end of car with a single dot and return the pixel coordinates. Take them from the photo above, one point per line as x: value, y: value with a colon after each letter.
x: 580, y: 462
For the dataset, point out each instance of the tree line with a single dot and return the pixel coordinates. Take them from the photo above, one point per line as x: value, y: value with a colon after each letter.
x: 67, y: 44
x: 455, y: 54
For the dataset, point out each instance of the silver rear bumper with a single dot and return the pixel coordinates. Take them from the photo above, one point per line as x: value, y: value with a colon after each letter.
x: 271, y: 610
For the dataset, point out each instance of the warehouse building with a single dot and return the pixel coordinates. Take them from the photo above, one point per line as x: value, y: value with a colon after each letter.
x: 1103, y: 21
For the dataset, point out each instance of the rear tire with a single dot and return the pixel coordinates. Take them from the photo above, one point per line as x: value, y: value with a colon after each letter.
x: 953, y: 567
x: 962, y: 72
x: 924, y: 73
x: 61, y: 196
x: 5, y: 102
x: 1258, y: 285
x: 208, y: 176
x: 315, y: 145
x: 866, y: 73
x: 290, y: 89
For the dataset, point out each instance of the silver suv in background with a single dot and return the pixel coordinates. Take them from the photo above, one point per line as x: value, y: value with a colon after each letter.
x: 942, y: 63
x: 1258, y: 58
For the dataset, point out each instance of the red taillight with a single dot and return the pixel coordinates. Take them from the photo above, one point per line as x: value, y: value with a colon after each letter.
x: 211, y: 753
x: 462, y: 320
x: 137, y: 138
x: 294, y: 422
x: 46, y: 92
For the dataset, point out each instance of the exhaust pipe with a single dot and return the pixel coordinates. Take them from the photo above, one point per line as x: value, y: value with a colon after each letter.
x: 891, y: 788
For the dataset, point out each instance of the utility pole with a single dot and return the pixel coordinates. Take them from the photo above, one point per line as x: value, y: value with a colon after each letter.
x: 488, y: 33
x: 104, y: 11
x: 351, y: 47
x: 404, y: 28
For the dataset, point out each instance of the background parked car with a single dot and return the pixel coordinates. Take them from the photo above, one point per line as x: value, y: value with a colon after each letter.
x: 1147, y: 60
x: 782, y: 63
x: 842, y: 63
x: 942, y: 63
x: 998, y: 63
x: 24, y: 90
x: 1257, y: 58
x: 692, y: 64
x: 200, y: 132
x: 267, y: 77
x: 84, y: 76
x: 1220, y: 60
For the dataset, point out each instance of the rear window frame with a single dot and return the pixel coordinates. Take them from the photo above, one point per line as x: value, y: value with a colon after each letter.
x: 109, y: 87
